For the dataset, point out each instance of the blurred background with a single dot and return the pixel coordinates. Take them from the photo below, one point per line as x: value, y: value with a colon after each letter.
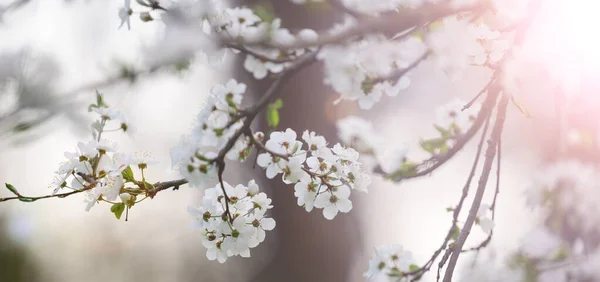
x: 63, y: 45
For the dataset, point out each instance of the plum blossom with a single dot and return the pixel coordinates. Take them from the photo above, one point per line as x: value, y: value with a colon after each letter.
x: 334, y: 201
x: 388, y: 261
x: 225, y: 236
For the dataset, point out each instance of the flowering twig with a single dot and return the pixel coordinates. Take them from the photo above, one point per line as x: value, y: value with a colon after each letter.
x: 391, y: 23
x: 485, y: 89
x: 397, y: 74
x: 487, y: 167
x: 421, y: 271
x: 258, y: 55
x: 431, y: 164
x: 487, y: 240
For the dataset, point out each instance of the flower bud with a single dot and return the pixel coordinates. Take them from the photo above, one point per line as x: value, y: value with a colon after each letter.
x: 252, y: 188
x: 145, y: 17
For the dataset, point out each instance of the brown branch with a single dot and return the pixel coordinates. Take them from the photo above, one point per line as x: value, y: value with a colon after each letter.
x: 487, y: 240
x: 487, y: 167
x: 392, y: 23
x: 485, y: 89
x: 59, y: 195
x: 258, y: 55
x: 399, y: 73
x: 421, y: 271
x: 437, y: 161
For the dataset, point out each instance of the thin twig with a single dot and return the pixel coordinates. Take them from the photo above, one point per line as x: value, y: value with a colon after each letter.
x: 436, y: 161
x: 258, y: 55
x: 421, y: 271
x: 399, y: 73
x: 392, y: 23
x: 487, y: 167
x: 485, y: 89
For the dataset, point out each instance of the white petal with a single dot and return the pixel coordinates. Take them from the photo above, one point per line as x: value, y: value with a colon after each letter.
x: 263, y: 160
x: 267, y: 223
x: 344, y: 205
x: 272, y: 170
x: 330, y: 212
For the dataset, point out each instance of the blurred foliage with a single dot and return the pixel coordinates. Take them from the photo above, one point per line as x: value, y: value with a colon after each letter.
x: 15, y: 263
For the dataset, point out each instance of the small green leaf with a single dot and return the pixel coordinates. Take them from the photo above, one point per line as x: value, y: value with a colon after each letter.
x: 449, y: 209
x: 406, y: 169
x: 278, y: 104
x: 560, y: 255
x: 12, y: 188
x: 435, y: 25
x: 100, y: 100
x: 433, y: 146
x: 272, y: 117
x: 445, y: 133
x: 456, y: 233
x: 128, y: 175
x: 265, y: 11
x: 23, y: 126
x: 148, y: 185
x: 118, y: 209
x: 92, y: 106
x: 413, y: 267
x: 27, y: 200
x: 521, y: 107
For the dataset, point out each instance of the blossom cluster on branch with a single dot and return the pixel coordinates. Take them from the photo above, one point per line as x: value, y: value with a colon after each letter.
x: 374, y: 52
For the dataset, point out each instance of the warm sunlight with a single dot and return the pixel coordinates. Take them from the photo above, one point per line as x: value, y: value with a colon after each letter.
x: 570, y: 29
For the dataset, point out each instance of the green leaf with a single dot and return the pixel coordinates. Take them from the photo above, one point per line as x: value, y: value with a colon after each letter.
x: 406, y: 169
x: 278, y: 104
x: 23, y: 126
x: 128, y: 175
x: 272, y: 117
x: 118, y: 209
x: 27, y: 200
x: 413, y: 267
x: 456, y: 233
x: 148, y: 185
x: 100, y: 100
x: 265, y: 11
x: 12, y: 188
x: 435, y: 145
x: 92, y: 106
x: 449, y: 209
x: 521, y: 107
x: 445, y: 133
x: 560, y: 255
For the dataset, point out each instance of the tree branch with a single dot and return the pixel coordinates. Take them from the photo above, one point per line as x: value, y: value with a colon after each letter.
x: 421, y: 271
x: 487, y: 167
x: 438, y: 160
x: 391, y: 23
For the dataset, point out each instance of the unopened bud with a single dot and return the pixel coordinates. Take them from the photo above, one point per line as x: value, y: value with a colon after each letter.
x: 145, y: 17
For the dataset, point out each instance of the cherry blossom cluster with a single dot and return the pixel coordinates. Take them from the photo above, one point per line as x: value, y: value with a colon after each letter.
x: 97, y: 167
x: 234, y: 222
x: 353, y: 70
x: 240, y: 24
x: 359, y: 134
x: 218, y: 121
x: 390, y: 263
x: 323, y: 177
x: 454, y: 118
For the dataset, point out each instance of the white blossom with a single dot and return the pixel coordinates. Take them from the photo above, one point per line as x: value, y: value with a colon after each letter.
x: 225, y: 236
x: 334, y: 201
